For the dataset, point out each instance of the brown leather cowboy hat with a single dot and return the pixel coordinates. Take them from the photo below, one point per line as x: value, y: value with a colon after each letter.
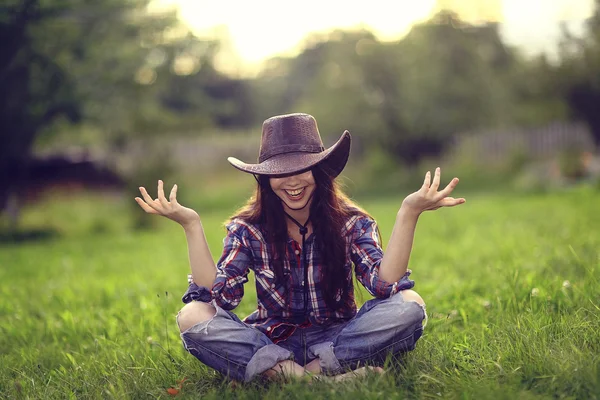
x: 291, y: 143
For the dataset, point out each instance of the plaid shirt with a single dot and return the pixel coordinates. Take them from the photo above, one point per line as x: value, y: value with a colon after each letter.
x: 280, y: 311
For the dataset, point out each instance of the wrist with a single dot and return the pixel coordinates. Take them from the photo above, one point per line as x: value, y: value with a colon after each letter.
x: 192, y: 225
x: 407, y: 211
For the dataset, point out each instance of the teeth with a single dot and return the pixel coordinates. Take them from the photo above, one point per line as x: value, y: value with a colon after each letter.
x: 294, y: 192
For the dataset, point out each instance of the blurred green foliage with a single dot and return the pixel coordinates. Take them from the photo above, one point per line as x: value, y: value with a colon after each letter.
x: 110, y: 67
x: 111, y: 73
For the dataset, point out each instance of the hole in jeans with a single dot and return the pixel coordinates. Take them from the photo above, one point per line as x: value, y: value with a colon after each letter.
x: 197, y: 327
x: 424, y: 308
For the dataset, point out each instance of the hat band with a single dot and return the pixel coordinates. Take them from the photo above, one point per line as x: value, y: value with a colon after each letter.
x: 290, y: 148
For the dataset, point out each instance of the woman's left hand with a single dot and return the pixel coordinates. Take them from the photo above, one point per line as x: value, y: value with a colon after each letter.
x: 428, y: 197
x: 171, y: 209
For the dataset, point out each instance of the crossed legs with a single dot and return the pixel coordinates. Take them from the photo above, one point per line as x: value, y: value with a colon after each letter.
x: 242, y: 352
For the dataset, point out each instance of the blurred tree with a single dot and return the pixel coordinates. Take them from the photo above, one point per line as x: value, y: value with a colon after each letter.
x: 579, y: 73
x: 327, y: 79
x: 226, y: 102
x: 412, y: 96
x: 34, y: 91
x: 111, y: 64
x: 538, y: 98
x: 452, y: 78
x: 330, y: 83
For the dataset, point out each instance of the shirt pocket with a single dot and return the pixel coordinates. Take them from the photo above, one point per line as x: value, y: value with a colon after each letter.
x: 270, y: 293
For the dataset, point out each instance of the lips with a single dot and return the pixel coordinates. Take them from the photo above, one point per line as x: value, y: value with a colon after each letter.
x: 295, y: 194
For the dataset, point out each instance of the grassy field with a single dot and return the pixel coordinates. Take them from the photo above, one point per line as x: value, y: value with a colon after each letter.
x: 512, y: 285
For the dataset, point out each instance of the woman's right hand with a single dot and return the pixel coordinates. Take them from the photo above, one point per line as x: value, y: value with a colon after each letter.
x: 171, y: 209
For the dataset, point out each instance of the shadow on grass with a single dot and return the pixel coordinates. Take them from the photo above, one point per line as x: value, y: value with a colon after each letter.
x: 26, y: 236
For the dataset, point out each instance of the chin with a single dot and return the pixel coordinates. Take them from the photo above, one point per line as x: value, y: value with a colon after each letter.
x: 296, y: 207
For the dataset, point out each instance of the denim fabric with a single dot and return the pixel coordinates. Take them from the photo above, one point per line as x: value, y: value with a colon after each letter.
x: 232, y: 347
x: 241, y: 352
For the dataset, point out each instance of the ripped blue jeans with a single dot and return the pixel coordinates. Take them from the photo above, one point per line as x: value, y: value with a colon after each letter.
x: 242, y: 352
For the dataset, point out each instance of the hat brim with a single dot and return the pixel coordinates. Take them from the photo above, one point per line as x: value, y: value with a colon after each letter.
x: 334, y: 158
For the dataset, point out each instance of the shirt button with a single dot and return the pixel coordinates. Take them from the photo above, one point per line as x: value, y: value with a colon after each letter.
x: 269, y: 329
x: 312, y: 313
x: 297, y: 252
x: 302, y: 283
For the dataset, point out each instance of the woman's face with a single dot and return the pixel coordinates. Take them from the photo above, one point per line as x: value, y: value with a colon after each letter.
x: 295, y: 191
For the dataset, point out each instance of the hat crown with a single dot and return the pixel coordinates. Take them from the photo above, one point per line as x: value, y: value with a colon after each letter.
x: 288, y: 134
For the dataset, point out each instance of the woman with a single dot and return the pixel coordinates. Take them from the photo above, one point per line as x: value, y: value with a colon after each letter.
x: 300, y: 235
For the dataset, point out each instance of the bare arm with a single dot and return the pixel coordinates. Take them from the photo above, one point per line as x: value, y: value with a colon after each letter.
x: 201, y: 261
x: 203, y: 267
x: 395, y: 260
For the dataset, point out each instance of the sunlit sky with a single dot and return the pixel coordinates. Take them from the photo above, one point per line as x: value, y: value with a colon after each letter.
x: 260, y: 29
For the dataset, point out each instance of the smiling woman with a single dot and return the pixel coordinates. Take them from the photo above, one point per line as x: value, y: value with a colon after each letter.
x: 304, y: 240
x: 295, y: 191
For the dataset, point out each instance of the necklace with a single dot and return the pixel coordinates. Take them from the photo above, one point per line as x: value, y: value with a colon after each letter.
x: 303, y: 230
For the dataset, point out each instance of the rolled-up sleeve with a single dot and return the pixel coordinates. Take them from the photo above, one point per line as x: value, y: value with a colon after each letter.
x: 367, y: 255
x: 232, y: 272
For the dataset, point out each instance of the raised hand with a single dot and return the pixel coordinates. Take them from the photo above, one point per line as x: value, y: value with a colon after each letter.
x: 428, y: 197
x: 167, y: 208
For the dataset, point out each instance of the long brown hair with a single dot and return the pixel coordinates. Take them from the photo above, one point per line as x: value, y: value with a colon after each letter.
x: 329, y: 211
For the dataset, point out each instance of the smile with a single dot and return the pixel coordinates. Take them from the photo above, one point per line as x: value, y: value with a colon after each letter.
x: 295, y: 194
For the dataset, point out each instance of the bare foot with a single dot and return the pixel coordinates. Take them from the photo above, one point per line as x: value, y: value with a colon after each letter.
x: 357, y: 373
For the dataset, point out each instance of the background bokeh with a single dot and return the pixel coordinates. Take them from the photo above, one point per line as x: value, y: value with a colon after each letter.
x: 106, y: 96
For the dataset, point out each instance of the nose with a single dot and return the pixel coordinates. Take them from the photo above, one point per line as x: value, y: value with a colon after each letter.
x: 293, y: 181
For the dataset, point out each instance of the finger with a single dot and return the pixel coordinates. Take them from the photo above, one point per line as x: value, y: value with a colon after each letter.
x: 145, y: 206
x: 449, y: 188
x: 161, y: 194
x: 173, y: 195
x: 436, y: 179
x: 451, y: 202
x: 427, y: 181
x: 148, y: 199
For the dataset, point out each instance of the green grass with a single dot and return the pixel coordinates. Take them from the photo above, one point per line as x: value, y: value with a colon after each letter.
x: 512, y: 286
